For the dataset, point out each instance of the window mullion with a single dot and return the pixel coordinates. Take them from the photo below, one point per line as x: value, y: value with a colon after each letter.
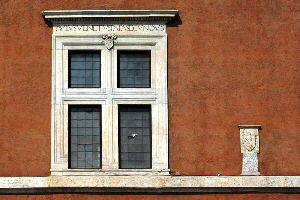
x: 106, y: 69
x: 107, y: 124
x: 114, y: 113
x: 109, y: 131
x: 115, y: 138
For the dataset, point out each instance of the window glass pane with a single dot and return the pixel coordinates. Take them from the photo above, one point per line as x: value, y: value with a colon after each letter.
x: 135, y: 136
x: 134, y: 69
x: 84, y: 69
x: 84, y: 137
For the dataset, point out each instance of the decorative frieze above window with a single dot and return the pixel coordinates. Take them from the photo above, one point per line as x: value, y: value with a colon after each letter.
x: 109, y: 99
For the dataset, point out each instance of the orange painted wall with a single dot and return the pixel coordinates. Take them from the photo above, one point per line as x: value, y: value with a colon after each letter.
x: 230, y: 62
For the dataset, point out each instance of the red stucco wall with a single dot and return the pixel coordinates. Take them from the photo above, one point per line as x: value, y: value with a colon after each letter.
x: 230, y: 62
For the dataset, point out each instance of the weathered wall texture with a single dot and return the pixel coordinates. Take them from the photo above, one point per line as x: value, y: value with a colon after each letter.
x: 230, y: 62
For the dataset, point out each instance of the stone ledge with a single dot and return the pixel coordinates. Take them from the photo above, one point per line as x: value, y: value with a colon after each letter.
x: 150, y: 182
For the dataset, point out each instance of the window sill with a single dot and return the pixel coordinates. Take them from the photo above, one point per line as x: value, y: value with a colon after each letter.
x: 118, y: 172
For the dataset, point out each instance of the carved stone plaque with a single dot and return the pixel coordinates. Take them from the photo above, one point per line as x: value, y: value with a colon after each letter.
x: 249, y: 141
x: 250, y: 148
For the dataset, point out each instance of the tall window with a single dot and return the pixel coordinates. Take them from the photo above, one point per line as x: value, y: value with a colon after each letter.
x: 109, y: 100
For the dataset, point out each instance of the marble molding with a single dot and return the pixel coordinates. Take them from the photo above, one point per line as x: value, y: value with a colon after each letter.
x: 148, y: 182
x: 249, y: 148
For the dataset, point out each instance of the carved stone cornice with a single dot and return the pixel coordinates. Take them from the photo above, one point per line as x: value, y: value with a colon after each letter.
x: 110, y: 16
x: 250, y: 127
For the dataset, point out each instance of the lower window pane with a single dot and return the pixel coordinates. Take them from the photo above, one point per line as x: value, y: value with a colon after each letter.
x: 84, y: 137
x: 135, y: 136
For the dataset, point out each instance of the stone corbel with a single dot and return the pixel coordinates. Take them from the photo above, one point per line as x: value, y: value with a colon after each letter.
x: 250, y: 148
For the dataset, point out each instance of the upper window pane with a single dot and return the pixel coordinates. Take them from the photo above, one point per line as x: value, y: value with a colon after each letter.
x: 134, y: 69
x: 84, y: 69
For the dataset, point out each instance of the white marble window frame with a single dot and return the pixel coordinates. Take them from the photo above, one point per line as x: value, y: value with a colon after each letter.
x: 109, y: 97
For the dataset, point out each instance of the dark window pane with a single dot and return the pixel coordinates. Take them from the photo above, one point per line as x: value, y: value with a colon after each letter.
x: 84, y: 137
x: 135, y: 136
x: 84, y: 69
x: 134, y: 69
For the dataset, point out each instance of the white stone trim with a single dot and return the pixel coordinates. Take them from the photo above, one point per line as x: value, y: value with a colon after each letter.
x: 144, y: 182
x: 88, y: 36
